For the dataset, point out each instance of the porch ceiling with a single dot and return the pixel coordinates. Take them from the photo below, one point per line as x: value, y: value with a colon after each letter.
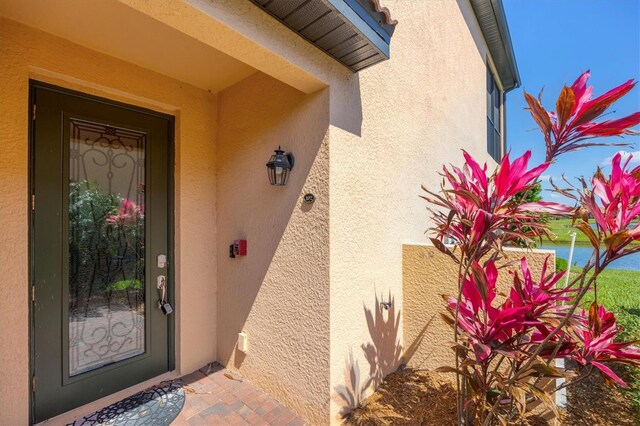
x: 120, y: 31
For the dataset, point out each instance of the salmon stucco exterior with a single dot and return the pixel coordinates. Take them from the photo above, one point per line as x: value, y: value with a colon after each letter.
x: 238, y: 79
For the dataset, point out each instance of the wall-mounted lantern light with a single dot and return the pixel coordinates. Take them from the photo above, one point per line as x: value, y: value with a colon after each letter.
x: 279, y: 166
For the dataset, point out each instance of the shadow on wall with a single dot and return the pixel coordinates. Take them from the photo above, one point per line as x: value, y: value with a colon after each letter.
x: 384, y: 353
x: 278, y: 294
x: 346, y: 110
x: 256, y: 116
x: 470, y: 19
x: 351, y: 394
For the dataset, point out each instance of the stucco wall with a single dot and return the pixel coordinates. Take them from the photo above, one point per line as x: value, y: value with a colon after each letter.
x: 427, y: 276
x: 393, y: 127
x: 27, y: 53
x: 308, y: 293
x: 279, y: 293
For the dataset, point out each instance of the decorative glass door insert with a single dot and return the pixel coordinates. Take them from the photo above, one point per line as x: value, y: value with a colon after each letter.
x: 101, y: 183
x: 106, y: 245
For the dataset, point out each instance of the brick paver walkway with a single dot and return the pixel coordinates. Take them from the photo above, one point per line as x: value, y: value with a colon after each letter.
x: 214, y: 396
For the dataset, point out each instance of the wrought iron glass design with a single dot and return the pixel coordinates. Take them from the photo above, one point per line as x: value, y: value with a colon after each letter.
x: 106, y: 245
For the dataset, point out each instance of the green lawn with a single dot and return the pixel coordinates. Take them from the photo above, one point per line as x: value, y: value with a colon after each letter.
x: 619, y: 291
x: 562, y: 229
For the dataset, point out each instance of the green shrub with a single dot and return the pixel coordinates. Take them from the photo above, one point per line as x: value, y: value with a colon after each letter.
x: 561, y: 264
x: 124, y: 285
x: 106, y: 254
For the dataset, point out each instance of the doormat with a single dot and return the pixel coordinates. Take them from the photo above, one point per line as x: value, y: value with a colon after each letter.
x: 159, y: 405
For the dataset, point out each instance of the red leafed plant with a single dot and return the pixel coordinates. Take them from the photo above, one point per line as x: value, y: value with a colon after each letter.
x: 574, y: 120
x: 614, y: 204
x: 597, y: 347
x: 129, y: 212
x: 506, y: 342
x: 479, y: 211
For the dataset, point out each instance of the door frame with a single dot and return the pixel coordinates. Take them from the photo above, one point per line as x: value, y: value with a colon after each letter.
x: 171, y: 267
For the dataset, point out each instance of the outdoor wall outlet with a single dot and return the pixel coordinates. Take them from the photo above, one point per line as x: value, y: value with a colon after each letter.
x: 243, y: 342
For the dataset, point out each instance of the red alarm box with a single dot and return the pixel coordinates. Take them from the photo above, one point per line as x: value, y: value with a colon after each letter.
x: 238, y: 248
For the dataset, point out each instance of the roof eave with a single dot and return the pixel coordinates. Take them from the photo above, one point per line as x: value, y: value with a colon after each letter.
x: 356, y: 33
x: 493, y: 23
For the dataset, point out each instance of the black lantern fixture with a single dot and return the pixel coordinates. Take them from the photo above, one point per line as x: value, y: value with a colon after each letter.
x: 279, y: 166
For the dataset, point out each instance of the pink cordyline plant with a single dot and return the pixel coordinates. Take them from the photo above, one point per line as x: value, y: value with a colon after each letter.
x: 573, y: 123
x: 540, y: 297
x: 479, y: 212
x: 499, y: 329
x: 614, y: 204
x: 507, y: 338
x: 129, y: 212
x: 597, y: 346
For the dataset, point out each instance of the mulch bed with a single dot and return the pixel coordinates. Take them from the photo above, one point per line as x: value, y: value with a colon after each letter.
x: 416, y: 397
x: 409, y: 397
x: 593, y: 402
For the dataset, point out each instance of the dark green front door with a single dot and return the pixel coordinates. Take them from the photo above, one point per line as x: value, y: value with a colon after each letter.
x: 99, y: 229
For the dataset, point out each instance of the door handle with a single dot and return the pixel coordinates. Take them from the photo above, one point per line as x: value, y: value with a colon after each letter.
x: 164, y: 306
x: 161, y: 282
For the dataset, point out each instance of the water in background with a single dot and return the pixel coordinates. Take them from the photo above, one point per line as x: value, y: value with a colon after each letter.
x: 581, y: 255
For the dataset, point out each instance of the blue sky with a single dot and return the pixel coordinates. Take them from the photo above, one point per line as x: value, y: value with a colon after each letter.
x: 555, y: 41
